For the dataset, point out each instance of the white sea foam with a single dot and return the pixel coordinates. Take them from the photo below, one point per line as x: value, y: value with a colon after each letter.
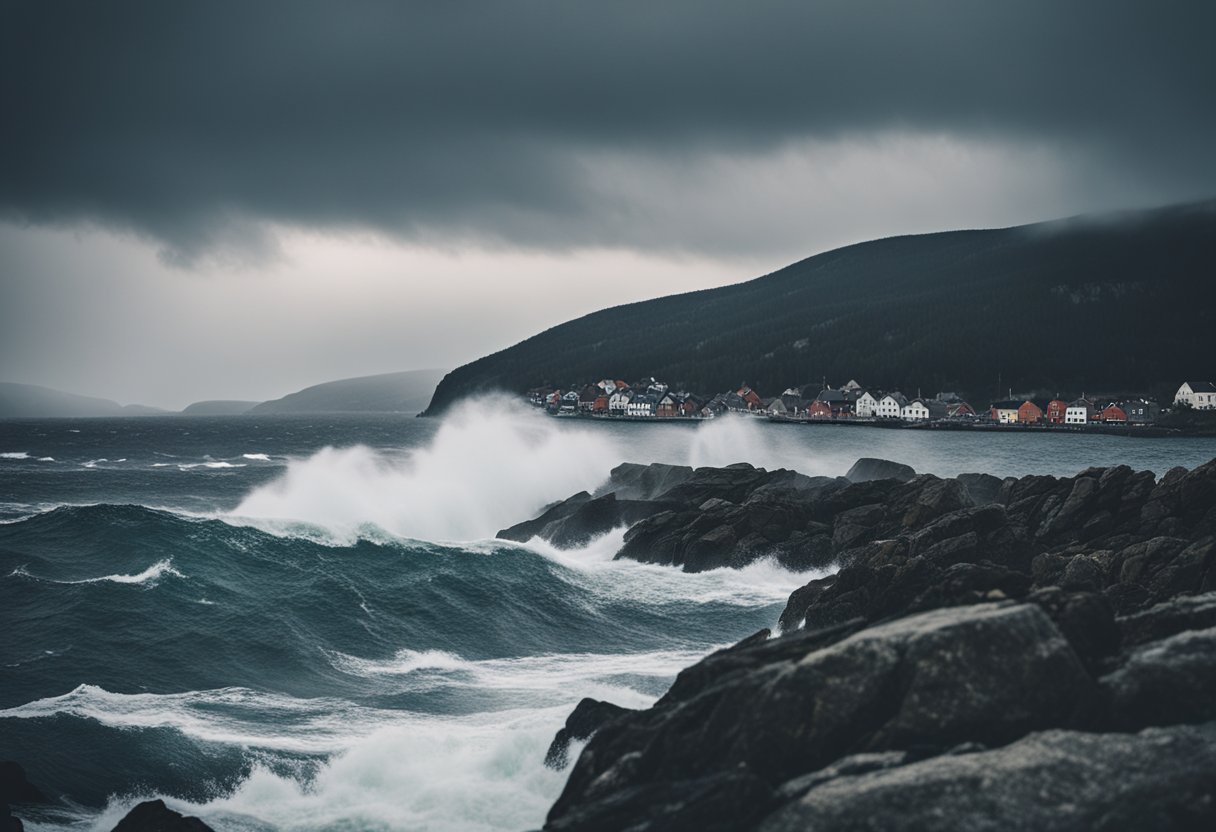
x: 149, y: 576
x: 387, y: 769
x: 491, y: 463
x: 463, y: 775
x: 46, y: 459
x: 763, y: 582
x: 215, y: 464
x: 14, y: 455
x: 259, y: 457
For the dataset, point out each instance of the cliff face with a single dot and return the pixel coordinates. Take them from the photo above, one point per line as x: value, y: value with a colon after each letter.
x: 937, y: 311
x: 1037, y: 653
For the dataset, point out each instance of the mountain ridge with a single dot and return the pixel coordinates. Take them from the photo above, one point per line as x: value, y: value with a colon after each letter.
x: 883, y: 311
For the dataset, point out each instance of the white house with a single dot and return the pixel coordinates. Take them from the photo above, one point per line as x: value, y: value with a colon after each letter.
x: 865, y: 405
x: 891, y: 406
x: 618, y: 402
x: 1200, y: 395
x: 914, y: 411
x: 643, y: 405
x: 1079, y: 412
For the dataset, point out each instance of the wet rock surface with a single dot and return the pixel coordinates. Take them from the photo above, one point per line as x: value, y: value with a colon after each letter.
x: 1034, y: 653
x: 155, y: 816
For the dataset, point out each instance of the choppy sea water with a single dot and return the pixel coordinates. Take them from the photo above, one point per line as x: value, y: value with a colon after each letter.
x: 305, y: 623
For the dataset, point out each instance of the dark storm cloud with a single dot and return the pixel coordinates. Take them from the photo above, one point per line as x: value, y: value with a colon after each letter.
x: 191, y: 122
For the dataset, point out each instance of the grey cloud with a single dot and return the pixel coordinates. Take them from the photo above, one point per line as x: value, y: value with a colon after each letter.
x: 192, y: 123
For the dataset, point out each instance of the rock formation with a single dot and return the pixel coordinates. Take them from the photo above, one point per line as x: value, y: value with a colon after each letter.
x: 1034, y: 653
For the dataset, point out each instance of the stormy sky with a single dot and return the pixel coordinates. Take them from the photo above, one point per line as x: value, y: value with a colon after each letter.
x: 235, y: 199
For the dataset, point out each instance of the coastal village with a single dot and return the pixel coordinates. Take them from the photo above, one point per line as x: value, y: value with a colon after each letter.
x: 853, y: 403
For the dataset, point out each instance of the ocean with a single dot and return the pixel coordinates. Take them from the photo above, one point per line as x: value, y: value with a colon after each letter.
x: 306, y: 622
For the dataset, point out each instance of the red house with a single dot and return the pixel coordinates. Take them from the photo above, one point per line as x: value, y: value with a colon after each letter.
x: 601, y: 404
x: 750, y: 396
x: 1029, y: 413
x: 819, y: 410
x: 1113, y: 413
x: 1055, y: 412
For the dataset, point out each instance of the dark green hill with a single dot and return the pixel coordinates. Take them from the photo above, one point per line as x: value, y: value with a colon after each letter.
x: 406, y: 392
x: 1112, y: 302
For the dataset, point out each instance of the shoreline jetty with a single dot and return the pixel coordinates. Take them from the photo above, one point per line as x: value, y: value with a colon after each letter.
x: 1032, y: 652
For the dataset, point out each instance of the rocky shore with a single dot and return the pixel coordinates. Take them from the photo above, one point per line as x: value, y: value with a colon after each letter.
x: 1034, y: 653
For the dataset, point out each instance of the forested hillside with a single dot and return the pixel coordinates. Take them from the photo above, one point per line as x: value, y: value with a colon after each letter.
x: 1122, y: 302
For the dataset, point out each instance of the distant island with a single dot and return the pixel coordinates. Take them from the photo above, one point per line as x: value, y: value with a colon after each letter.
x: 1107, y: 302
x: 407, y: 392
x: 18, y: 401
x: 403, y: 392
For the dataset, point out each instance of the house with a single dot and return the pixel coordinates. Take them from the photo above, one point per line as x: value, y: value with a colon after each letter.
x: 891, y: 406
x: 553, y: 401
x: 1054, y: 414
x: 1141, y: 411
x: 669, y: 405
x: 749, y: 396
x: 960, y: 410
x: 618, y: 402
x: 915, y: 411
x: 1005, y: 412
x: 569, y: 403
x: 852, y: 387
x: 1079, y: 412
x: 1114, y: 412
x: 840, y: 401
x: 691, y: 405
x: 587, y: 397
x: 819, y: 410
x: 642, y: 404
x: 777, y: 407
x: 601, y: 404
x: 1030, y: 413
x: 1200, y: 395
x: 865, y: 404
x: 794, y: 403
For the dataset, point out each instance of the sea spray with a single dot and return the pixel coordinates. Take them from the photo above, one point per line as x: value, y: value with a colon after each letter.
x: 491, y: 463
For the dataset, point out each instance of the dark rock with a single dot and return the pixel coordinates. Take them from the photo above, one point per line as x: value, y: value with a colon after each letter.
x: 15, y: 787
x: 582, y: 518
x: 1086, y: 619
x: 720, y: 802
x: 1056, y: 781
x: 982, y: 488
x: 525, y: 531
x: 1197, y: 612
x: 588, y: 716
x: 868, y: 468
x: 631, y: 481
x: 1166, y: 682
x: 155, y: 816
x: 986, y: 673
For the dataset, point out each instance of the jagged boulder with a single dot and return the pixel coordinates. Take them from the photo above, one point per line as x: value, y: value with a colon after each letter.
x: 586, y: 718
x: 155, y: 816
x: 987, y: 673
x: 1055, y: 781
x: 869, y: 468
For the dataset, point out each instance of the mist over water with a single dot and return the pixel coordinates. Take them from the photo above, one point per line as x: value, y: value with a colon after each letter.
x: 306, y: 623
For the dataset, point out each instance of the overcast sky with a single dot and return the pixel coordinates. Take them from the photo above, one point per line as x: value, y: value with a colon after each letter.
x: 235, y: 199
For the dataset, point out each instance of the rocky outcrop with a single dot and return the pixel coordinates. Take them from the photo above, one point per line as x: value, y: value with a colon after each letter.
x: 586, y: 718
x: 867, y: 469
x: 1055, y: 781
x: 155, y: 816
x: 15, y: 787
x: 1023, y: 654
